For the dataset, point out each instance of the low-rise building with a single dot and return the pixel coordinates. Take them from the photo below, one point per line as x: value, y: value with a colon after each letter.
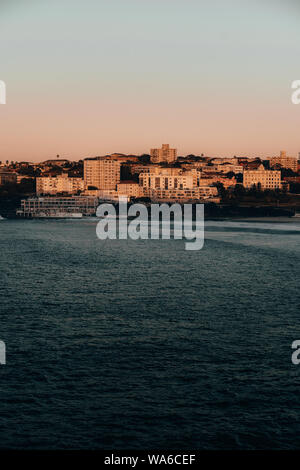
x: 266, y: 179
x: 137, y: 168
x: 59, y: 184
x: 183, y: 195
x: 228, y: 167
x: 58, y: 206
x: 169, y: 178
x: 196, y: 165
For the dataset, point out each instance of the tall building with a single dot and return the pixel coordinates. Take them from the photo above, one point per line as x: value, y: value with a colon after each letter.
x: 102, y: 172
x: 165, y: 154
x: 284, y: 161
x: 267, y: 179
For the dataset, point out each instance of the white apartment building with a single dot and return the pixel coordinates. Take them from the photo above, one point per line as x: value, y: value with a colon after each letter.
x: 58, y: 206
x: 164, y: 154
x: 58, y: 184
x: 267, y: 179
x: 284, y: 161
x: 165, y: 179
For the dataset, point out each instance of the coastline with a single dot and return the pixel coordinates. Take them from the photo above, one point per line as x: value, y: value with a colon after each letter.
x: 213, y: 211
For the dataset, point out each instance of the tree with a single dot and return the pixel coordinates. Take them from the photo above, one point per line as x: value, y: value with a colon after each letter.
x: 287, y: 172
x: 239, y: 177
x: 27, y: 185
x: 145, y: 158
x: 221, y: 190
x: 239, y: 191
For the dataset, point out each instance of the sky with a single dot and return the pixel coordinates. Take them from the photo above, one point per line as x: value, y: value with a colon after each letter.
x: 93, y: 77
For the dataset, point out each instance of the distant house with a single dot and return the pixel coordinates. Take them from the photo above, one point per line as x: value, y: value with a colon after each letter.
x: 266, y: 179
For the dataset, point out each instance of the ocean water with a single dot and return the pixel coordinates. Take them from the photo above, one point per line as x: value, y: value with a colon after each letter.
x: 141, y: 344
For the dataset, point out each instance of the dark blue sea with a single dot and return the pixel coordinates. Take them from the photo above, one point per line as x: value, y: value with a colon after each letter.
x: 123, y: 344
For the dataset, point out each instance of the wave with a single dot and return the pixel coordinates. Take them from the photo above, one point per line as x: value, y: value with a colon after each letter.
x: 288, y: 226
